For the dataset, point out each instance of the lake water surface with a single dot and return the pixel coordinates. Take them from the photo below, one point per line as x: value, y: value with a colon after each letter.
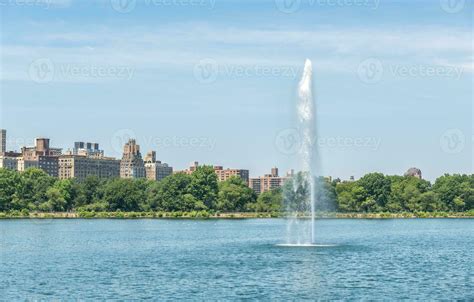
x: 235, y: 259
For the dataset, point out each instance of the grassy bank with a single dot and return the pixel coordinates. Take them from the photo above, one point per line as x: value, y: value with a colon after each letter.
x: 217, y: 215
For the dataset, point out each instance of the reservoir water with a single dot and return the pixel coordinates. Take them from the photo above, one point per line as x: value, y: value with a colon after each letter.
x: 421, y: 259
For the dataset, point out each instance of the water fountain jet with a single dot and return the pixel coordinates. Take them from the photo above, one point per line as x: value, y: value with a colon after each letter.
x: 300, y: 232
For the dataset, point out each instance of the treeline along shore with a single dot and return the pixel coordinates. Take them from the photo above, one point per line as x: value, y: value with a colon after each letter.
x: 34, y: 194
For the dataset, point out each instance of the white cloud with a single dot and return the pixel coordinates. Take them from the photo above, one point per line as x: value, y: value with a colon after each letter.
x: 181, y: 46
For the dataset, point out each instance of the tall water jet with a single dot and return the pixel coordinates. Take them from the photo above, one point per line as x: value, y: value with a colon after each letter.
x: 300, y: 194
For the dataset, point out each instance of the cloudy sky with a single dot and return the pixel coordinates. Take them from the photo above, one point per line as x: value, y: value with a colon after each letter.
x: 215, y: 80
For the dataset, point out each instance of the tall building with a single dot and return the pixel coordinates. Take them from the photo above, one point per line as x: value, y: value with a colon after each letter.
x: 82, y: 166
x: 88, y: 149
x: 3, y: 141
x: 132, y: 165
x: 224, y: 174
x: 155, y: 169
x: 268, y: 181
x: 41, y: 156
x: 8, y: 160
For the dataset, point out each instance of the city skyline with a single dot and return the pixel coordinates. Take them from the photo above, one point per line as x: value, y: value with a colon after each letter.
x: 196, y: 82
x: 91, y: 149
x: 86, y: 159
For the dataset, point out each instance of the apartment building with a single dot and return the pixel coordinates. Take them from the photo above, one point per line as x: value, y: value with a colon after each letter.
x: 155, y: 169
x: 41, y: 156
x: 268, y: 181
x: 132, y: 165
x: 82, y: 166
x: 9, y: 160
x: 3, y: 141
x: 224, y: 174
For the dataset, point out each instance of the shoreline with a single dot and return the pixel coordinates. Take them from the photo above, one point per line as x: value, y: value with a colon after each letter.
x: 240, y: 215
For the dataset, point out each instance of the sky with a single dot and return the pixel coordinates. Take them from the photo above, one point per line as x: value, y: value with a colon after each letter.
x: 215, y: 81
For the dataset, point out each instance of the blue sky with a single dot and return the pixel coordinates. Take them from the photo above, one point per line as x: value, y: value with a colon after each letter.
x: 215, y: 81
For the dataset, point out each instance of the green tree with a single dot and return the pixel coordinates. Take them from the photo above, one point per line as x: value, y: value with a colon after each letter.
x: 204, y: 186
x: 455, y: 191
x: 33, y: 185
x: 89, y: 191
x: 269, y: 201
x: 406, y: 193
x: 9, y: 185
x: 350, y: 196
x: 171, y: 194
x: 59, y: 196
x: 124, y: 195
x: 296, y: 193
x: 234, y: 195
x: 325, y: 195
x: 378, y: 189
x: 429, y: 202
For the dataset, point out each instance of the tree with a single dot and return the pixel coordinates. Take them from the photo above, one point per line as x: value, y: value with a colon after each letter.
x: 234, y: 195
x: 171, y: 194
x: 350, y: 196
x: 325, y: 195
x: 204, y: 186
x: 455, y: 191
x: 406, y: 193
x: 9, y: 184
x: 124, y: 195
x: 378, y: 189
x: 32, y: 188
x: 59, y: 197
x: 269, y: 201
x: 296, y: 193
